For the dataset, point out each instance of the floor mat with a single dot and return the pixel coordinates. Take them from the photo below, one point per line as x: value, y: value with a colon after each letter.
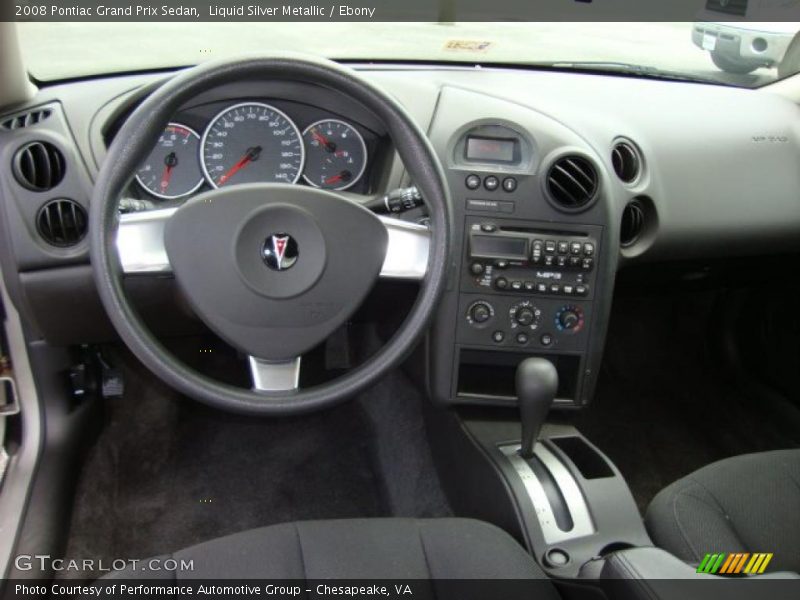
x: 664, y: 407
x: 167, y: 473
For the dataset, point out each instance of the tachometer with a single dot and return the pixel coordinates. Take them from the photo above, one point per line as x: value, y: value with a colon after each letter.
x: 336, y: 154
x: 172, y: 170
x: 250, y: 143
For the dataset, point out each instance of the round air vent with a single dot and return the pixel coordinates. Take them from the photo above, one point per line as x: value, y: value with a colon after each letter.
x: 39, y: 166
x: 633, y: 219
x: 626, y: 161
x: 572, y: 183
x: 62, y: 223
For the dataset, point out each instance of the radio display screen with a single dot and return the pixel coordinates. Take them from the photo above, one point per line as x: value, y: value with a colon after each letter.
x: 488, y: 149
x: 499, y: 246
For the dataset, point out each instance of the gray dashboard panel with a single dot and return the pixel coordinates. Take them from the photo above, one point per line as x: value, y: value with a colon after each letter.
x: 720, y: 163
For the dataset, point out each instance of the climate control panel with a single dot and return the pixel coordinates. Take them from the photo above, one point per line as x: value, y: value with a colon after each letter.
x: 535, y: 323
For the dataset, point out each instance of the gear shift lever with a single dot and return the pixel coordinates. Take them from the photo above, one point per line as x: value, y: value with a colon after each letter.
x: 537, y: 383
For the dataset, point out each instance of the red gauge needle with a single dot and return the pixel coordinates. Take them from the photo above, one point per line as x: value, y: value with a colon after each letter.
x: 343, y: 176
x: 170, y: 162
x: 249, y: 156
x: 323, y: 141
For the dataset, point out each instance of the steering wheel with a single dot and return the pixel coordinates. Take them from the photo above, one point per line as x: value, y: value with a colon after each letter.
x: 272, y: 269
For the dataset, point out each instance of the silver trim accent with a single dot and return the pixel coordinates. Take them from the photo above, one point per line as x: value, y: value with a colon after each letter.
x: 274, y: 376
x: 407, y: 251
x: 140, y: 243
x: 582, y: 524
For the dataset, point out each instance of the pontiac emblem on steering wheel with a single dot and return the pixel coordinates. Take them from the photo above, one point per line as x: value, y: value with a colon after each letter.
x: 279, y: 251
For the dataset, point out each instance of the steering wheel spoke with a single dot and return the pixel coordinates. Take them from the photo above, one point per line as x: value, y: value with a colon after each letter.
x: 272, y: 376
x: 140, y: 243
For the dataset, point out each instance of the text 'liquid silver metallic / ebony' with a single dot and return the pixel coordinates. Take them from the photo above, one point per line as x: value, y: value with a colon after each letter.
x: 280, y: 251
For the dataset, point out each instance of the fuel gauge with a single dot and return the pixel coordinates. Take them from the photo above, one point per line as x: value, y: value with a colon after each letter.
x: 336, y: 155
x: 173, y: 168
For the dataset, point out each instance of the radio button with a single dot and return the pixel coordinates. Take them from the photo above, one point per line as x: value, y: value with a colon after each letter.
x: 587, y: 264
x: 549, y: 260
x: 550, y: 247
x: 546, y: 339
x: 516, y: 285
x: 501, y: 283
x: 488, y: 227
x: 522, y: 338
x: 498, y: 336
x: 477, y: 268
x: 575, y: 247
x: 509, y: 184
x: 588, y: 249
x: 574, y: 261
x: 529, y: 286
x: 568, y: 290
x: 582, y: 290
x: 491, y: 183
x: 541, y: 288
x: 562, y: 261
x: 555, y: 288
x: 563, y: 247
x: 473, y: 182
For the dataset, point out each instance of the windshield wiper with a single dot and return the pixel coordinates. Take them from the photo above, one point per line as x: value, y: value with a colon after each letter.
x: 624, y: 68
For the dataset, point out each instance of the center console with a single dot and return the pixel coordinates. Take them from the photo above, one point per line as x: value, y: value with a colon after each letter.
x: 533, y: 253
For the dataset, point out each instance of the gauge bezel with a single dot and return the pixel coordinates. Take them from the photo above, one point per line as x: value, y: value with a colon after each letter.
x: 202, y: 177
x: 216, y: 117
x: 357, y: 178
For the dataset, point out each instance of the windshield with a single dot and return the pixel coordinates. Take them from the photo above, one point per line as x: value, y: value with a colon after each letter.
x: 738, y: 54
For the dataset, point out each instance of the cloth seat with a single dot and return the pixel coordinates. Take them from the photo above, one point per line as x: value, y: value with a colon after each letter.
x: 748, y: 503
x: 361, y: 549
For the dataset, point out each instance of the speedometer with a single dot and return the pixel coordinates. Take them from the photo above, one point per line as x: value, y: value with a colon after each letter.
x: 252, y: 143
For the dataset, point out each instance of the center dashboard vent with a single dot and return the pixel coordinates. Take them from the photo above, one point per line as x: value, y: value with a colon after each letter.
x: 626, y: 162
x: 26, y: 119
x: 62, y: 222
x: 572, y: 183
x: 39, y: 166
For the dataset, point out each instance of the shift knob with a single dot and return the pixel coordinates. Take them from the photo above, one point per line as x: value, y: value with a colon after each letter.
x: 537, y: 384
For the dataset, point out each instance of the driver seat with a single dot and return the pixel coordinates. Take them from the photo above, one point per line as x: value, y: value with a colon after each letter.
x: 360, y: 549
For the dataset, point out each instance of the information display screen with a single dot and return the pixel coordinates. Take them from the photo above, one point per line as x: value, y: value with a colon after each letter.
x: 488, y: 149
x: 499, y: 246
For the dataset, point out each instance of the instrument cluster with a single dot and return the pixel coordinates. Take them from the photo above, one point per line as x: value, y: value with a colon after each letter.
x: 255, y: 142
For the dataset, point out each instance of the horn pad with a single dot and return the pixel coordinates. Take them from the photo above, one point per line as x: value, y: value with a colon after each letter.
x: 274, y: 269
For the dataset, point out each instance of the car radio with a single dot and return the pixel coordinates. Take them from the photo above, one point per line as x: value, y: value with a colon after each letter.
x: 530, y: 261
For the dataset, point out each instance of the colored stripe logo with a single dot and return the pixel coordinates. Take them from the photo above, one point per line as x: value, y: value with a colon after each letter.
x: 737, y: 563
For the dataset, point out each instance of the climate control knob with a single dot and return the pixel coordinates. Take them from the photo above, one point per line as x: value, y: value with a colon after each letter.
x: 525, y: 314
x: 569, y: 318
x: 479, y: 312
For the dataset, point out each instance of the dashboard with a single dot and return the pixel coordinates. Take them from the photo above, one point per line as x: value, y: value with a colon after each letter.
x: 557, y: 180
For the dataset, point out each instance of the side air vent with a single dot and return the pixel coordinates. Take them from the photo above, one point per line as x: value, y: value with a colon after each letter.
x: 572, y: 183
x: 39, y: 166
x: 26, y: 119
x: 626, y: 161
x: 633, y: 220
x: 62, y: 223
